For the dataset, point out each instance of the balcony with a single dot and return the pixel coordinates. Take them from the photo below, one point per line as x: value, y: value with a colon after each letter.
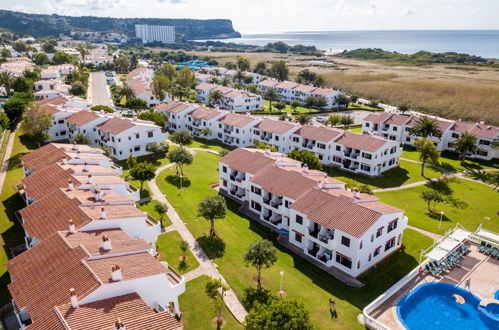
x: 266, y: 201
x: 313, y: 251
x: 240, y: 178
x: 276, y: 202
x: 313, y: 233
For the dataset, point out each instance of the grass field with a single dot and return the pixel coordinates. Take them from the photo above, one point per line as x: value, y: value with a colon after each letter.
x: 11, y: 231
x: 198, y: 311
x: 301, y: 280
x: 168, y: 245
x: 149, y: 208
x: 290, y: 110
x: 480, y: 202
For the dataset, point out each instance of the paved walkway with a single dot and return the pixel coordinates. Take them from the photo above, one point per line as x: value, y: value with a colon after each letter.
x: 206, y: 266
x: 8, y: 152
x: 431, y: 235
x: 98, y: 92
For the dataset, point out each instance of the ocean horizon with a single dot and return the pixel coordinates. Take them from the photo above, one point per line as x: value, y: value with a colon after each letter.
x: 483, y: 43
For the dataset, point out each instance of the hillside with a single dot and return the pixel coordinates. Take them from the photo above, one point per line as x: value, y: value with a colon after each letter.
x: 45, y: 25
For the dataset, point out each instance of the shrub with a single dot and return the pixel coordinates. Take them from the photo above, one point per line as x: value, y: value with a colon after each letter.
x: 102, y: 107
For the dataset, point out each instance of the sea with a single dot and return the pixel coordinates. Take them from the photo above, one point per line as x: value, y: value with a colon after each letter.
x: 483, y: 43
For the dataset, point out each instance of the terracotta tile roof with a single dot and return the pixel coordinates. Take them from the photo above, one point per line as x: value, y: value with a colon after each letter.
x: 50, y: 109
x: 204, y: 113
x: 443, y: 125
x: 132, y: 266
x: 51, y: 214
x: 486, y: 131
x: 42, y: 276
x: 106, y: 180
x: 268, y: 83
x: 397, y: 120
x: 48, y: 180
x: 376, y: 118
x: 304, y: 88
x: 275, y: 126
x: 93, y: 169
x: 205, y: 86
x: 361, y: 141
x: 41, y: 157
x: 336, y: 212
x: 55, y: 101
x: 129, y: 308
x: 235, y: 93
x: 286, y: 85
x: 82, y: 117
x: 114, y: 212
x: 280, y: 182
x: 121, y: 242
x: 237, y: 120
x: 172, y: 107
x: 244, y: 160
x: 324, y: 91
x: 87, y: 197
x: 82, y: 148
x: 323, y: 134
x: 115, y: 126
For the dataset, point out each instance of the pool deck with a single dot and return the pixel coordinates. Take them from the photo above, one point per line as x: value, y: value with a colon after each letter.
x: 481, y: 269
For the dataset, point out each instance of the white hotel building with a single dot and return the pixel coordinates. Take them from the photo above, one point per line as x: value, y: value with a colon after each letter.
x: 338, y: 228
x: 151, y: 33
x: 366, y: 154
x: 232, y: 99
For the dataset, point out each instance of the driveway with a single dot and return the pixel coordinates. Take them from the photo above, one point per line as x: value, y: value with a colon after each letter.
x: 99, y: 91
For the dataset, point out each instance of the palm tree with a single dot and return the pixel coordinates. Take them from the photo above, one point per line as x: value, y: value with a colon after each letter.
x: 270, y: 95
x: 303, y: 118
x: 467, y: 143
x: 6, y: 80
x: 428, y: 153
x: 215, y: 97
x: 239, y: 77
x: 81, y: 47
x: 426, y: 127
x: 161, y: 209
x: 126, y: 92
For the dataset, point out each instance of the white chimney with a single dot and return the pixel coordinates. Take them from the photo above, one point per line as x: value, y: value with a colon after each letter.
x: 320, y: 185
x: 119, y: 325
x: 356, y: 193
x: 106, y: 243
x: 70, y: 184
x: 116, y: 273
x: 64, y: 160
x: 267, y: 150
x: 77, y: 154
x: 72, y: 228
x: 75, y: 146
x: 85, y: 167
x: 305, y: 169
x: 73, y: 297
x: 103, y: 213
x: 98, y: 196
x: 89, y: 179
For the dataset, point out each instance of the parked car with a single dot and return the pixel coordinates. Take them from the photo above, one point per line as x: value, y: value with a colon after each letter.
x: 320, y: 119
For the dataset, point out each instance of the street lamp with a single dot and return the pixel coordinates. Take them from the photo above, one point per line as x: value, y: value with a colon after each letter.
x: 181, y: 183
x: 281, y: 291
x: 440, y: 222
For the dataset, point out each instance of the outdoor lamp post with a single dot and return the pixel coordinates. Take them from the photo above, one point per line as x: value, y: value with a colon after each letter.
x: 181, y: 183
x: 281, y: 291
x: 440, y: 222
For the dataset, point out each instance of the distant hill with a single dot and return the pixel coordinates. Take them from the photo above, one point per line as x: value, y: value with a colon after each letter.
x: 37, y: 25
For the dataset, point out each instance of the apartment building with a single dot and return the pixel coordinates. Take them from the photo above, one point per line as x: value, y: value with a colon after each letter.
x: 236, y: 130
x: 152, y: 33
x: 176, y: 113
x: 203, y: 117
x: 336, y: 227
x: 232, y: 99
x: 139, y: 80
x: 397, y: 128
x: 100, y: 279
x: 276, y: 133
x: 17, y: 65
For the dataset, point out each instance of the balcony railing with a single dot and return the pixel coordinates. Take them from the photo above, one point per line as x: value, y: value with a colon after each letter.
x: 313, y: 233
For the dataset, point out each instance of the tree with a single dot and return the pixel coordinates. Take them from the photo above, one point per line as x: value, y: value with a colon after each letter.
x: 306, y: 157
x: 354, y: 98
x: 243, y: 63
x: 157, y: 148
x: 20, y: 47
x: 346, y: 121
x: 5, y: 53
x: 426, y: 127
x: 14, y: 108
x: 215, y: 290
x: 40, y: 58
x: 22, y: 85
x: 404, y: 107
x: 161, y: 209
x: 223, y: 153
x: 61, y: 57
x: 279, y: 70
x: 81, y: 138
x: 493, y: 179
x: 320, y: 81
x: 104, y: 108
x: 205, y: 131
x: 343, y: 101
x: 279, y: 314
x: 186, y: 77
x: 78, y: 89
x: 126, y: 93
x: 181, y: 157
x: 261, y: 254
x: 6, y: 80
x: 168, y: 71
x: 303, y: 118
x: 36, y: 122
x: 143, y: 172
x: 157, y: 118
x: 333, y: 120
x: 4, y: 121
x: 160, y: 85
x: 49, y: 46
x: 427, y: 152
x: 295, y: 104
x: 211, y: 208
x: 136, y: 104
x: 239, y: 77
x: 306, y: 76
x: 431, y: 196
x: 260, y: 68
x: 131, y: 161
x: 271, y: 96
x: 82, y: 49
x: 466, y: 143
x: 122, y: 64
x: 184, y: 246
x: 279, y: 106
x: 215, y: 97
x: 182, y: 138
x: 230, y: 66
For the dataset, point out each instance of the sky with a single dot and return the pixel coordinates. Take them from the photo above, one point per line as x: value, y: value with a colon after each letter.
x: 266, y: 16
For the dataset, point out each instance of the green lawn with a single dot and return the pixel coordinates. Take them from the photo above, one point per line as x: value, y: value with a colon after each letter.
x: 406, y: 173
x: 211, y: 145
x: 302, y: 281
x: 290, y: 110
x: 481, y: 201
x: 168, y: 245
x: 450, y: 161
x: 355, y: 130
x: 11, y: 231
x: 198, y: 311
x: 149, y: 208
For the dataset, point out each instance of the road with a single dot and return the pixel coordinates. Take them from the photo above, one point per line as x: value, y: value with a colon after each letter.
x: 99, y: 91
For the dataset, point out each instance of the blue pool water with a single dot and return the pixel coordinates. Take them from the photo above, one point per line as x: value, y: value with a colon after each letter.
x: 431, y: 306
x: 496, y: 295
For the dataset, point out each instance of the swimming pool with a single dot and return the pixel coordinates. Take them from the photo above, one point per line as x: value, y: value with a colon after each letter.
x: 431, y: 306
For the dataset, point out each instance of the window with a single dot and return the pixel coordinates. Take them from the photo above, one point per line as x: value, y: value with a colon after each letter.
x: 137, y: 135
x: 299, y: 219
x: 394, y: 128
x: 366, y: 168
x: 338, y: 148
x: 370, y: 257
x: 392, y: 225
x: 455, y: 135
x: 237, y: 130
x: 367, y: 156
x: 484, y: 142
x: 286, y: 204
x: 372, y: 238
x: 367, y: 124
x: 377, y: 250
x: 345, y: 241
x: 224, y: 183
x: 360, y: 245
x: 358, y: 264
x: 321, y: 145
x: 256, y: 206
x: 150, y: 134
x: 137, y: 148
x: 296, y: 139
x: 389, y: 244
x: 276, y: 138
x: 60, y: 121
x: 379, y: 232
x: 482, y: 153
x: 224, y: 169
x: 298, y: 237
x: 112, y: 138
x: 256, y: 190
x: 344, y: 260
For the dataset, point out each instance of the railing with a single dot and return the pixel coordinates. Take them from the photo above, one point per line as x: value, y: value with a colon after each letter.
x: 313, y: 233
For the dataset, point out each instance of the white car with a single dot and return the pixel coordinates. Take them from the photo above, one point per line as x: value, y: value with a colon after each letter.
x: 320, y: 119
